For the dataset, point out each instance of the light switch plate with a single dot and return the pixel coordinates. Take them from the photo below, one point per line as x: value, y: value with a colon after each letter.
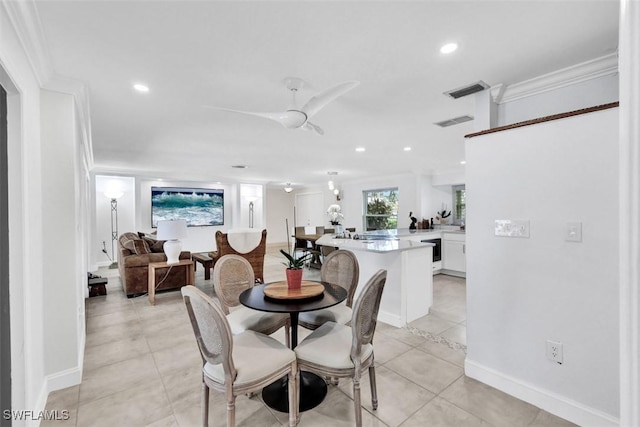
x: 574, y: 232
x: 512, y: 228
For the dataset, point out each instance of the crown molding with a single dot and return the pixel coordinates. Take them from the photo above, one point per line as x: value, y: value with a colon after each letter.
x: 26, y: 21
x: 598, y: 67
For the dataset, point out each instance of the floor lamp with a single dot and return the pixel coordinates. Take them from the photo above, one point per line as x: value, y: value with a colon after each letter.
x: 114, y: 195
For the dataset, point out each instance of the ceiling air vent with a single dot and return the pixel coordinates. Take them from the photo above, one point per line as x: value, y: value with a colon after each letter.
x: 479, y: 86
x: 454, y: 121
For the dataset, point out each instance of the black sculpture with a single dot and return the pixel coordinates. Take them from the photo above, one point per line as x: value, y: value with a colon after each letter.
x: 414, y: 220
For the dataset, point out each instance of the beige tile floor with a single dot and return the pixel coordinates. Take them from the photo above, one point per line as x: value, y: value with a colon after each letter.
x: 142, y: 368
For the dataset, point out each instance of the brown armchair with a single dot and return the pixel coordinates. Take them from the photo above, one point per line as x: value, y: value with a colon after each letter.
x: 255, y: 256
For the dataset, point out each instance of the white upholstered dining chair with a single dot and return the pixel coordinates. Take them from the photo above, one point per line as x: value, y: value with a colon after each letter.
x: 232, y: 275
x: 236, y: 364
x: 341, y: 268
x: 339, y: 351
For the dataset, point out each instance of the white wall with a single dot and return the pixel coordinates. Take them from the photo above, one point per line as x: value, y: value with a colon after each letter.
x: 279, y: 206
x: 599, y: 91
x: 64, y: 307
x: 522, y: 292
x: 25, y: 221
x: 134, y: 211
x: 126, y: 216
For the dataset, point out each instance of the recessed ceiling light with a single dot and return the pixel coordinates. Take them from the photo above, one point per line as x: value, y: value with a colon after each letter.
x: 448, y: 48
x: 141, y: 88
x: 407, y: 148
x: 360, y: 149
x: 239, y: 166
x: 463, y: 162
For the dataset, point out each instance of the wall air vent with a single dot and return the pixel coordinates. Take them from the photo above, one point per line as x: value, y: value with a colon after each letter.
x: 454, y: 121
x: 478, y: 86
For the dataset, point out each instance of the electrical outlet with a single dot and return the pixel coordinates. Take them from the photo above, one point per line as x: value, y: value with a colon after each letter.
x: 574, y: 232
x: 554, y: 351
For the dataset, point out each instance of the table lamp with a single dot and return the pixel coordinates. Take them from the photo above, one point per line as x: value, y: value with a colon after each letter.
x: 172, y: 232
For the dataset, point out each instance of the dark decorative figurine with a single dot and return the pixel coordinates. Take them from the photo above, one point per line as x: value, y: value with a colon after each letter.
x: 414, y: 220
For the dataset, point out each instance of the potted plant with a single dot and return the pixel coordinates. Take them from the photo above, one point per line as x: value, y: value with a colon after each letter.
x: 335, y: 216
x: 294, y: 268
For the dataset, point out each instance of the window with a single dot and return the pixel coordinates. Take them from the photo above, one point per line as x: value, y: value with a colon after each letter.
x: 381, y: 209
x: 459, y: 204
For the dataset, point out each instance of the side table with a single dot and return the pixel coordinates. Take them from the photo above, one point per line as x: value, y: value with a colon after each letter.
x: 206, y: 261
x: 156, y: 265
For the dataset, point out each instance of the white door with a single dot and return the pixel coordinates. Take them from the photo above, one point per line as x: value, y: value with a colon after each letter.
x: 310, y: 210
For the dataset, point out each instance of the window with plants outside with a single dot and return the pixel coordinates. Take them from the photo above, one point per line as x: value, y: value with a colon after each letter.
x: 381, y: 209
x: 459, y: 204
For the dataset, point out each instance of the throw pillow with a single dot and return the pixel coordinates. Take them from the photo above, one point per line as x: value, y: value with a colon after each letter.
x: 154, y: 245
x: 128, y: 244
x: 141, y: 247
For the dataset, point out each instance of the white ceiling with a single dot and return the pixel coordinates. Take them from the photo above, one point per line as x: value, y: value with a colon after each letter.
x: 236, y: 54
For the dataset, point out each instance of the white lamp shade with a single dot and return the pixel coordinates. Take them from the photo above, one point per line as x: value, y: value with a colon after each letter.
x: 113, y: 194
x: 172, y: 230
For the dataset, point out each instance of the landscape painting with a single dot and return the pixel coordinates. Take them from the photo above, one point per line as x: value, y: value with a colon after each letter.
x: 197, y: 206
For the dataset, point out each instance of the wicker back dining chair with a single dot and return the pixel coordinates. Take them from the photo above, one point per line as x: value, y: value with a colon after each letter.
x: 232, y: 275
x: 255, y: 256
x: 340, y: 351
x: 341, y: 268
x: 229, y: 361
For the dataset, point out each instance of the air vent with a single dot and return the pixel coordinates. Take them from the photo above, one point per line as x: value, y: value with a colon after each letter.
x: 467, y: 90
x: 454, y: 121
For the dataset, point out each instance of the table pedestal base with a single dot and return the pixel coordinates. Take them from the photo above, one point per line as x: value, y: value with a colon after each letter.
x: 313, y: 389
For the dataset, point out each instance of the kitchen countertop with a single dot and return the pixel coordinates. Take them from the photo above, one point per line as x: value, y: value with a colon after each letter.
x: 388, y: 240
x: 405, y: 232
x: 390, y: 244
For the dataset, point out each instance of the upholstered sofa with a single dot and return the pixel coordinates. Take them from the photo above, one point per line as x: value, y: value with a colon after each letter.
x: 135, y: 252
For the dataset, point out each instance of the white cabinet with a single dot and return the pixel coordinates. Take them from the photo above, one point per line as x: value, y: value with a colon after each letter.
x: 454, y: 252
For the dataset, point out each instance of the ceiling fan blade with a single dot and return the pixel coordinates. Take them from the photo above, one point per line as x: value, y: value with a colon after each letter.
x: 315, y: 128
x: 278, y: 117
x: 291, y: 119
x: 317, y: 102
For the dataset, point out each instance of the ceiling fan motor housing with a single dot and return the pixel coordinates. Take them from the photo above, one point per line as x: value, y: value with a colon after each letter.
x: 293, y: 119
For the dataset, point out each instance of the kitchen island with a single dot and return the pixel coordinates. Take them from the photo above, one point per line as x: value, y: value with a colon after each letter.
x: 408, y: 292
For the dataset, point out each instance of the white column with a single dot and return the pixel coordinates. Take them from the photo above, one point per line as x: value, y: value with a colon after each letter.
x: 629, y: 212
x: 486, y: 111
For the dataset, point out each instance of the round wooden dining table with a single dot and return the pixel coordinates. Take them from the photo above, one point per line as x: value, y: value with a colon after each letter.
x: 313, y: 388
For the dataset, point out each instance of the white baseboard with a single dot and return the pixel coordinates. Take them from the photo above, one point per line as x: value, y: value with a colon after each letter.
x: 40, y: 405
x: 453, y: 273
x: 64, y: 379
x: 551, y: 402
x: 100, y: 264
x: 390, y: 319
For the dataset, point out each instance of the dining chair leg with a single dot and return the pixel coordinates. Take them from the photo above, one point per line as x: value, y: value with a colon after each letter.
x: 374, y: 390
x: 356, y: 400
x: 287, y: 334
x: 293, y: 395
x: 231, y: 410
x: 204, y: 404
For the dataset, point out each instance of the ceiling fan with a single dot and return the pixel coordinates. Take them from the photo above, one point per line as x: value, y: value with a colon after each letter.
x: 298, y: 118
